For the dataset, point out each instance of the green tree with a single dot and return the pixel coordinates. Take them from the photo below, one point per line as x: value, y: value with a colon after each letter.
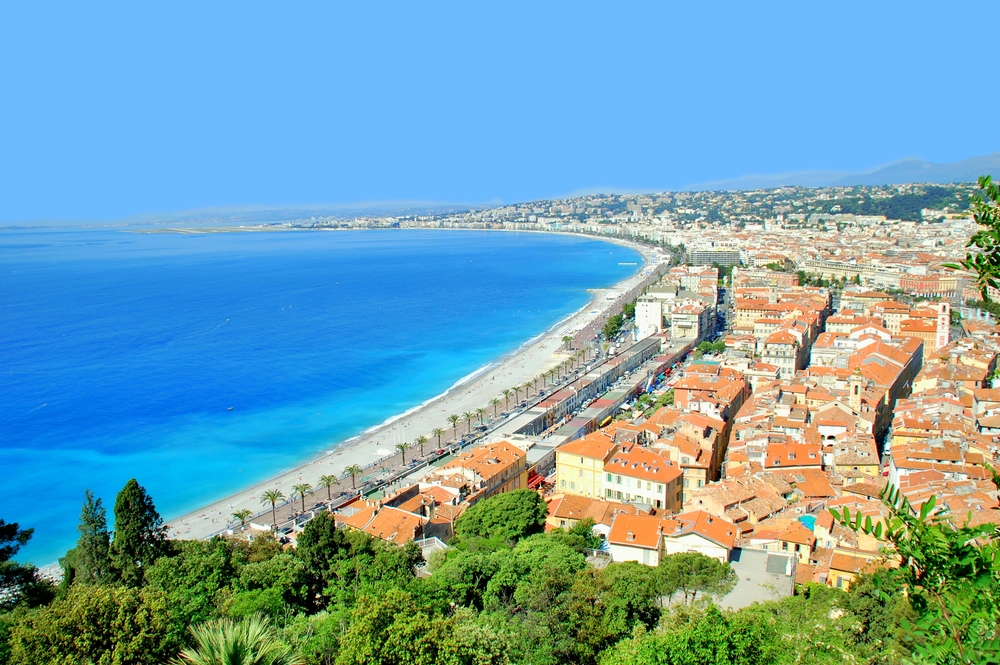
x: 453, y: 419
x: 420, y: 442
x: 495, y: 403
x: 99, y: 624
x: 92, y: 555
x: 302, y: 489
x: 692, y: 572
x: 468, y: 417
x: 272, y: 497
x: 401, y: 449
x: 613, y: 325
x: 19, y: 583
x: 353, y: 471
x: 711, y: 637
x: 504, y: 517
x: 242, y: 515
x: 139, y: 537
x: 481, y: 413
x: 252, y: 641
x: 506, y: 392
x: 985, y: 262
x: 393, y: 629
x: 629, y: 310
x: 567, y: 340
x: 438, y: 432
x: 195, y: 579
x: 328, y: 481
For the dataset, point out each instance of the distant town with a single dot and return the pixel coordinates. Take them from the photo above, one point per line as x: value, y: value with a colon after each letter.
x: 798, y: 350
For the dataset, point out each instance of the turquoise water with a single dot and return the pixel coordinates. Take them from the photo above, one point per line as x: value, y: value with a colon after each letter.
x: 121, y: 353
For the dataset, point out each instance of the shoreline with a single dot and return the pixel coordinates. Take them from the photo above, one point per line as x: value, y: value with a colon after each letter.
x: 474, y: 390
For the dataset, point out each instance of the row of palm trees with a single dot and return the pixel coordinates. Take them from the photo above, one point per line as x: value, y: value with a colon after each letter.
x: 274, y: 496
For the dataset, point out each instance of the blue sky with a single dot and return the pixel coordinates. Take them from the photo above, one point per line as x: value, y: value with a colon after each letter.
x: 117, y: 109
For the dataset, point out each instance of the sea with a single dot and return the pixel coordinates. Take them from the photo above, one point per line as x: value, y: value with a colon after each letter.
x: 202, y: 363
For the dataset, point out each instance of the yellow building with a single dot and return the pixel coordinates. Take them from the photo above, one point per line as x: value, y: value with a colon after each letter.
x: 580, y: 465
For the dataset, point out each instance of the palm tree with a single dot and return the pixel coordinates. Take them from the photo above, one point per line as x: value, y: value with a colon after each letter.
x: 495, y: 403
x: 506, y: 398
x: 401, y: 447
x: 272, y: 496
x: 453, y: 419
x: 517, y: 393
x: 552, y: 375
x: 252, y: 641
x: 467, y: 417
x: 328, y: 481
x: 527, y: 389
x: 535, y: 383
x: 353, y: 471
x: 480, y: 412
x: 243, y: 515
x: 438, y: 432
x: 421, y: 441
x: 302, y: 489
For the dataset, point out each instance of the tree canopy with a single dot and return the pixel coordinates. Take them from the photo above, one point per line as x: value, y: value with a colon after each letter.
x: 140, y: 537
x: 508, y: 516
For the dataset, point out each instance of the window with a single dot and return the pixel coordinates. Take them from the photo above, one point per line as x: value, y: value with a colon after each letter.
x: 700, y: 483
x: 618, y: 495
x: 610, y: 478
x: 607, y: 493
x: 581, y: 473
x: 659, y: 487
x: 618, y: 479
x: 581, y: 460
x: 562, y: 484
x: 685, y: 460
x: 649, y: 485
x: 685, y: 482
x: 572, y: 486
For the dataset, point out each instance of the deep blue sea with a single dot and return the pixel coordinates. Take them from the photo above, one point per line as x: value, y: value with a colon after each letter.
x: 120, y: 353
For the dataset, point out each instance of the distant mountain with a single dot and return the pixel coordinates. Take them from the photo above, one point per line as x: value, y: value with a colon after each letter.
x: 917, y: 170
x: 902, y: 172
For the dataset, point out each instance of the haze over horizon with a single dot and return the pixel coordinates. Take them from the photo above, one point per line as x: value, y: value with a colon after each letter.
x: 122, y: 110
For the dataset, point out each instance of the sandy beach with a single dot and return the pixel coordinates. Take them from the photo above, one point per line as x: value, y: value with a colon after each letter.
x: 525, y: 364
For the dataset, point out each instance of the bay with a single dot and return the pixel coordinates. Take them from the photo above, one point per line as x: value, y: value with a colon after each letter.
x: 122, y: 353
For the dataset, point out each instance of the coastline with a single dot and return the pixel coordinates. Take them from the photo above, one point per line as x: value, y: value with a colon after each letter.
x: 475, y: 390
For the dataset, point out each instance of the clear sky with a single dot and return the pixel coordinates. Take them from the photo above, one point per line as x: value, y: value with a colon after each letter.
x: 109, y: 110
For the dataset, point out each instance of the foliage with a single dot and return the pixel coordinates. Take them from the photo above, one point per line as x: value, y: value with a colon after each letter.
x: 613, y: 325
x: 19, y: 583
x: 985, y: 262
x: 692, y: 573
x: 899, y: 206
x: 105, y: 625
x: 140, y: 537
x: 707, y: 637
x: 712, y: 347
x: 951, y: 576
x: 629, y: 310
x: 252, y: 641
x: 505, y: 517
x: 394, y: 629
x: 192, y: 579
x: 90, y: 562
